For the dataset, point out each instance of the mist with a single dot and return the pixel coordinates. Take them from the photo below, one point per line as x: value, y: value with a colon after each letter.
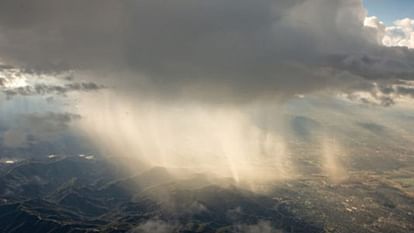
x: 251, y: 144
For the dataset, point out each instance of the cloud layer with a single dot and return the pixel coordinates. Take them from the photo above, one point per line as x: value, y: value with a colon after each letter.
x: 214, y: 50
x: 401, y: 33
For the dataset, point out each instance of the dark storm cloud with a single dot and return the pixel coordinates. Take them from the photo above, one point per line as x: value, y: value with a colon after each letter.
x: 208, y: 49
x: 381, y: 63
x: 34, y: 83
x: 406, y: 91
x: 47, y: 89
x: 384, y: 92
x: 5, y: 67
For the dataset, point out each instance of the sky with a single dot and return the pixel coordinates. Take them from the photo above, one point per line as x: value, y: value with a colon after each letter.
x: 173, y: 82
x: 390, y: 10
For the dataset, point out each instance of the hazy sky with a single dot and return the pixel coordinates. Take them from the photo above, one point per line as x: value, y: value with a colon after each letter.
x: 162, y: 78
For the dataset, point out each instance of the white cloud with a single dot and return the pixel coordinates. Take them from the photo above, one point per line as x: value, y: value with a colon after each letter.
x: 401, y: 33
x: 260, y: 227
x: 377, y: 27
x: 154, y: 226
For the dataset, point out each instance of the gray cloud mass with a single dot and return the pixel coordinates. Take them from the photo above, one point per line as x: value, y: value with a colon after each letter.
x: 47, y: 89
x: 212, y: 50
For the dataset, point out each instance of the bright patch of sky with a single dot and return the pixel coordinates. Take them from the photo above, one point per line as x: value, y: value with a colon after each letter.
x: 390, y: 10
